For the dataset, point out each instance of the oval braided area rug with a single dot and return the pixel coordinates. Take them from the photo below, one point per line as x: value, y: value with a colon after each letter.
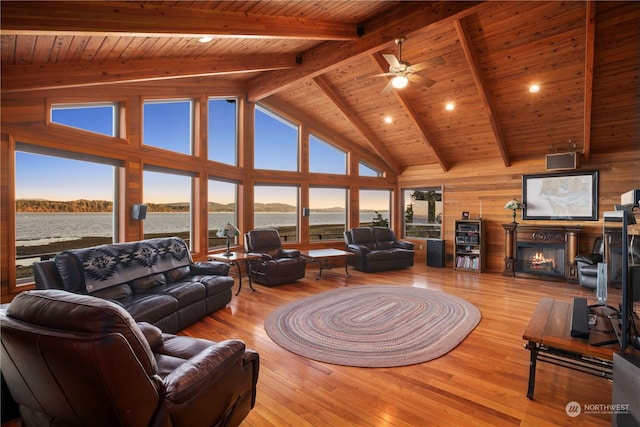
x: 373, y: 326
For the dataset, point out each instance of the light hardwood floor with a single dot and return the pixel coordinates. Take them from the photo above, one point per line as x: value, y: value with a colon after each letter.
x: 483, y: 381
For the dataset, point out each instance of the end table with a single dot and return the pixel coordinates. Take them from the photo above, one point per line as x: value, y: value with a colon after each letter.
x: 234, y: 259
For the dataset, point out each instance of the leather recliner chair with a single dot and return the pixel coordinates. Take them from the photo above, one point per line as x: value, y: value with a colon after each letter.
x: 588, y: 265
x: 276, y: 265
x: 72, y: 359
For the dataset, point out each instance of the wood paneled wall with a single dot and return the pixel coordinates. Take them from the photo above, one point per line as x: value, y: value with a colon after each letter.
x: 477, y: 186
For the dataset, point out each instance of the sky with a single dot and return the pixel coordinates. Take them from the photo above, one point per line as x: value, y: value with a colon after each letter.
x: 167, y: 127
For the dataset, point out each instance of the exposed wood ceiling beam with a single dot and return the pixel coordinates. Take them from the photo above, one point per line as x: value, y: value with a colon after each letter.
x: 588, y: 77
x: 377, y: 146
x: 17, y: 78
x: 406, y: 105
x: 478, y: 78
x: 129, y: 18
x: 378, y: 33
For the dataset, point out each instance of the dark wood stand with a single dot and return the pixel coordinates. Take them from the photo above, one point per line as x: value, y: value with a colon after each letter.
x: 549, y: 340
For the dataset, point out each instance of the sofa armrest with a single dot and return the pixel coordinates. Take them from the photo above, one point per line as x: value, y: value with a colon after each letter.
x: 210, y: 268
x: 202, y: 370
x: 403, y: 244
x: 591, y: 259
x: 289, y: 253
x: 358, y: 249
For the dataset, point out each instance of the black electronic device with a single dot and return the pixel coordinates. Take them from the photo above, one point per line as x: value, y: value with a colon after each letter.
x: 624, y: 324
x: 139, y: 211
x: 580, y: 318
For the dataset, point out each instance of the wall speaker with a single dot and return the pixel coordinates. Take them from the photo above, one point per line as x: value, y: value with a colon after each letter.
x: 139, y: 211
x: 563, y: 161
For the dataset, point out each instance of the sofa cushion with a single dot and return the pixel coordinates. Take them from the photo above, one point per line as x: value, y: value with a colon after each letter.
x: 363, y: 236
x: 177, y: 273
x: 149, y: 307
x: 113, y: 292
x: 144, y: 284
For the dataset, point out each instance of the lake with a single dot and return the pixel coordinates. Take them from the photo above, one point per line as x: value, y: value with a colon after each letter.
x: 42, y: 228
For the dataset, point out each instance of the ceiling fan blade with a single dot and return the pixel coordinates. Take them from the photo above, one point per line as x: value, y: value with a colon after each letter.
x: 391, y: 59
x: 424, y: 81
x: 388, y: 87
x: 374, y: 75
x: 438, y: 60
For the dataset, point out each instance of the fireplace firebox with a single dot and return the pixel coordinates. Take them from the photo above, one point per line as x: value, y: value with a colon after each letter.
x: 543, y: 252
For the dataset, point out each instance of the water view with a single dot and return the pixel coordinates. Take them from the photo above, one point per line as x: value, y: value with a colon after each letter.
x: 35, y: 229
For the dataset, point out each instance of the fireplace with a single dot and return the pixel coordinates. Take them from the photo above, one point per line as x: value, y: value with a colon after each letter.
x: 543, y: 252
x: 540, y: 259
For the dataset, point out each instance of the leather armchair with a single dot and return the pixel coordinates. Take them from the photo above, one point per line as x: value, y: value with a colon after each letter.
x: 588, y: 265
x: 276, y: 265
x: 71, y: 359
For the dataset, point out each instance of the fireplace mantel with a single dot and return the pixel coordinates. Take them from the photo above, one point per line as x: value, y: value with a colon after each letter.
x: 518, y: 234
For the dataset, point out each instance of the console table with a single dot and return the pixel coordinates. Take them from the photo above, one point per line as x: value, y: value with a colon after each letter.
x: 549, y: 340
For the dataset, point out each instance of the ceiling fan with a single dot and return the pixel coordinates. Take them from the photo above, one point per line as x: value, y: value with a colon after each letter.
x: 402, y: 71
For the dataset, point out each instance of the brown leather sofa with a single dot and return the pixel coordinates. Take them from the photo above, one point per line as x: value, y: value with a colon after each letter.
x: 77, y: 360
x: 276, y: 265
x: 155, y: 280
x: 377, y: 249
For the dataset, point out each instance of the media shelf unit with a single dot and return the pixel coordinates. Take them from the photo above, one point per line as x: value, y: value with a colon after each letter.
x: 470, y: 245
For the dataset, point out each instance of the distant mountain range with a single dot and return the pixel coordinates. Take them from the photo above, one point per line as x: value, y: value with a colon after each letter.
x: 83, y: 205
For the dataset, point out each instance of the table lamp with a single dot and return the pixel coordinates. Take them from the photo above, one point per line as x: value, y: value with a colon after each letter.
x: 514, y: 205
x: 229, y: 230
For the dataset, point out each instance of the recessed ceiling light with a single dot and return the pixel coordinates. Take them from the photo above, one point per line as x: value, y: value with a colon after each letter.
x: 205, y: 39
x: 450, y: 106
x: 534, y: 88
x: 388, y: 119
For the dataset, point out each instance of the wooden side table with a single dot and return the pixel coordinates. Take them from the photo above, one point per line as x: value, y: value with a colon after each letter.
x: 235, y: 259
x: 549, y: 339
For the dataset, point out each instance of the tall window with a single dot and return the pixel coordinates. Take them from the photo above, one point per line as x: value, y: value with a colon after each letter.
x: 328, y: 218
x: 222, y: 130
x: 222, y: 208
x: 326, y: 158
x: 101, y: 118
x: 168, y: 124
x: 167, y: 195
x: 276, y: 142
x: 375, y: 208
x: 423, y: 212
x: 75, y: 212
x: 277, y: 207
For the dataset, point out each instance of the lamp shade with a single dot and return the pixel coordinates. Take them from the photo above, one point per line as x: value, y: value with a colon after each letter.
x: 514, y: 204
x: 229, y: 230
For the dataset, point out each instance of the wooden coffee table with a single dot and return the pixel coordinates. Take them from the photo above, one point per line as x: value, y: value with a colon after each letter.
x: 326, y: 259
x: 235, y: 259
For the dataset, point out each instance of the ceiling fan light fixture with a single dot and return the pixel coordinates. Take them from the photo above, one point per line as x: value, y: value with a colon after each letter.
x: 400, y: 81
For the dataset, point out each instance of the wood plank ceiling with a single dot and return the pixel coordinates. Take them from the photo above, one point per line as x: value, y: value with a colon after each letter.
x: 319, y: 57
